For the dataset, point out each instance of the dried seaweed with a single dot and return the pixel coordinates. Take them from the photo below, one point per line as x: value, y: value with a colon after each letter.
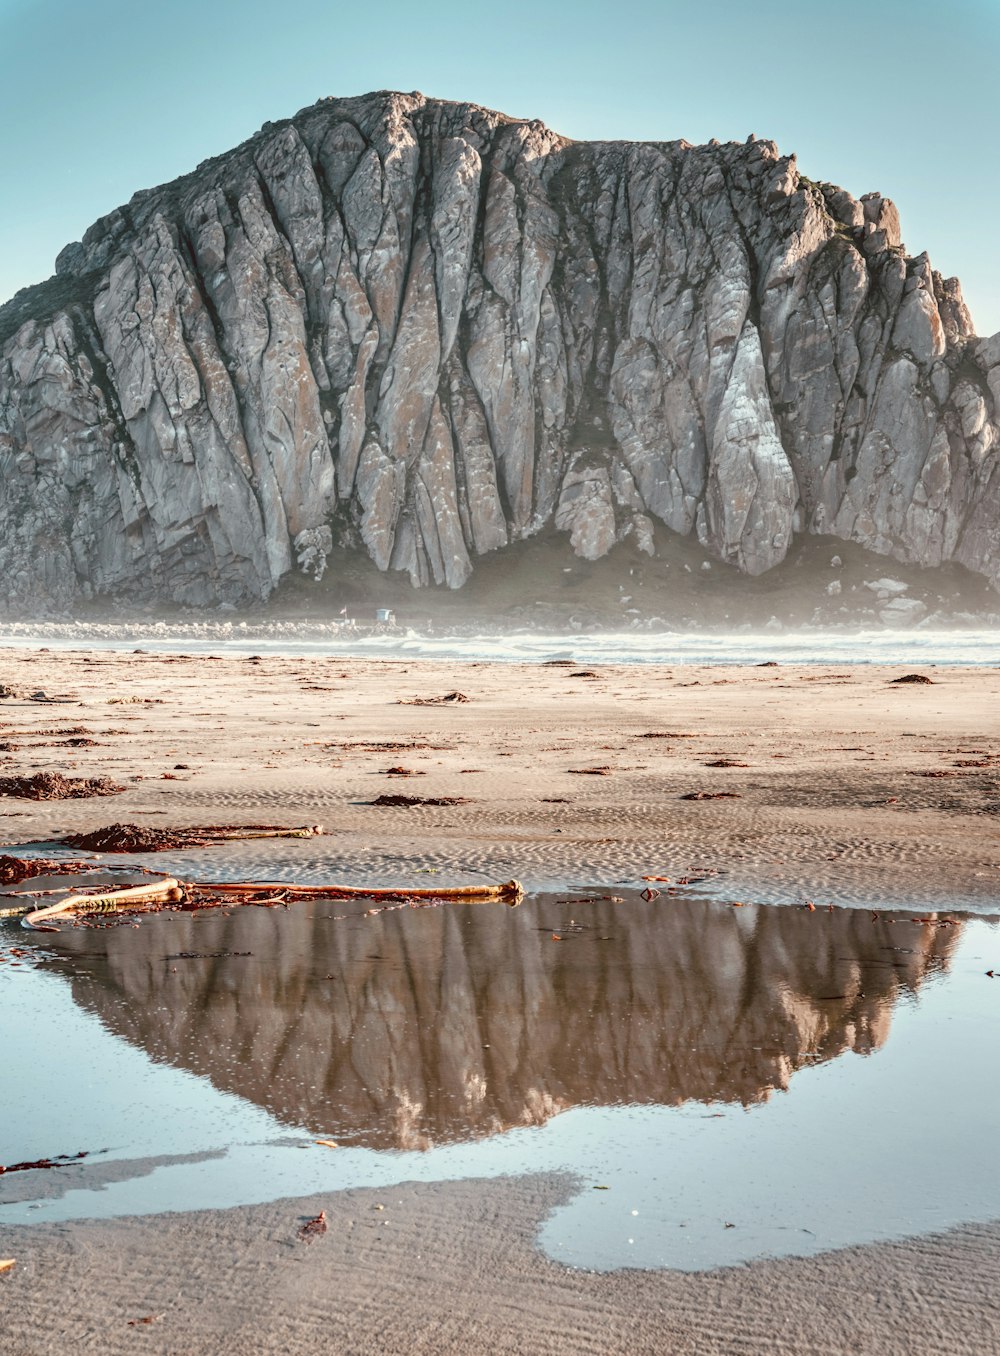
x: 54, y: 786
x: 145, y: 838
x: 14, y: 870
x: 397, y: 799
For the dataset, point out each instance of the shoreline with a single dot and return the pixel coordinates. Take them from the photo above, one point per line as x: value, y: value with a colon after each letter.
x: 853, y: 645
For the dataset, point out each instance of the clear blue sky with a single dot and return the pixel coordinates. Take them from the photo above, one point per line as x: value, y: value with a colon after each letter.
x: 101, y: 97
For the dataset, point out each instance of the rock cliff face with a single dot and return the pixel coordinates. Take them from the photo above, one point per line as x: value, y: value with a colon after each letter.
x: 434, y: 1025
x: 428, y: 330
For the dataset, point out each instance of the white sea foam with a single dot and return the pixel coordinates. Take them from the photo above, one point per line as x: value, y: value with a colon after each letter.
x: 979, y: 647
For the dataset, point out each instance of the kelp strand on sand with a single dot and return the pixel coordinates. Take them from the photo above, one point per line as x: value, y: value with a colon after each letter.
x: 167, y: 890
x: 170, y: 892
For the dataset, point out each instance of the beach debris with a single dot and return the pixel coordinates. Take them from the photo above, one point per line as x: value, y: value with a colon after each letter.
x: 592, y: 899
x: 146, y: 1321
x: 668, y: 734
x: 167, y: 890
x: 61, y: 730
x: 7, y: 1263
x: 583, y: 673
x: 508, y: 891
x: 206, y: 955
x: 602, y: 1188
x: 912, y: 678
x: 314, y: 1228
x: 14, y: 870
x: 145, y: 838
x: 402, y: 772
x: 937, y: 772
x: 327, y: 1143
x: 711, y: 795
x: 449, y: 699
x: 649, y: 894
x: 558, y: 663
x: 398, y: 799
x: 602, y: 771
x: 384, y: 745
x: 46, y: 697
x: 726, y: 762
x: 54, y: 786
x: 57, y: 1161
x: 664, y: 879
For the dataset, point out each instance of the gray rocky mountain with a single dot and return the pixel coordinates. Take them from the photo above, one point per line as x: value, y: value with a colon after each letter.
x: 429, y: 331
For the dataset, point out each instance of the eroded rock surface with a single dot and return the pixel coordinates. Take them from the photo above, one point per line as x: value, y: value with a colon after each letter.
x: 426, y: 330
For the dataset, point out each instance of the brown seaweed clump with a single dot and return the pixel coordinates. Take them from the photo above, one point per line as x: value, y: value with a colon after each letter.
x: 13, y: 870
x: 417, y: 800
x: 54, y: 786
x: 144, y: 838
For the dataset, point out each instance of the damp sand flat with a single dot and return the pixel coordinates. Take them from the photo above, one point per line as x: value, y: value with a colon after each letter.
x: 838, y: 784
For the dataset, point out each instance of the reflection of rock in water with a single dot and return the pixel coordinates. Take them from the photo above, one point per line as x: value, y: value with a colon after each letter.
x: 442, y: 1024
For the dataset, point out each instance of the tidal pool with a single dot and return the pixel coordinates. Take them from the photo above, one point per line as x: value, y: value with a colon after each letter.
x: 724, y: 1083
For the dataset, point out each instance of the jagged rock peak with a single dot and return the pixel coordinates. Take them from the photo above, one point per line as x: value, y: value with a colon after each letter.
x: 427, y: 330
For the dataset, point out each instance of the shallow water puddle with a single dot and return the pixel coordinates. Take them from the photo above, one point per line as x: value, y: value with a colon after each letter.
x: 742, y: 1082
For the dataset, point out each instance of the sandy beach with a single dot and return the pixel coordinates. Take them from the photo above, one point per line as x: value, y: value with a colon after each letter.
x: 774, y: 784
x: 837, y: 783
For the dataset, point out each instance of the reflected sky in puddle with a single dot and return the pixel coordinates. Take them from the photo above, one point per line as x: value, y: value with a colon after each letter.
x: 809, y: 1079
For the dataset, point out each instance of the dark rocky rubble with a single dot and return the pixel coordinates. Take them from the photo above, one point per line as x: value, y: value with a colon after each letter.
x: 426, y: 331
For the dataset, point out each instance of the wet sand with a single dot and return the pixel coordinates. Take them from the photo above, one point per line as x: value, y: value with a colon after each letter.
x: 453, y: 1270
x: 831, y: 801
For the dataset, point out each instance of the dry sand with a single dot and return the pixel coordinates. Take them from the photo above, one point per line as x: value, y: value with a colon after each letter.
x: 833, y: 803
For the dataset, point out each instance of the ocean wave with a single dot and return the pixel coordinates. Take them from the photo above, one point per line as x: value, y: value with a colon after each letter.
x: 978, y: 647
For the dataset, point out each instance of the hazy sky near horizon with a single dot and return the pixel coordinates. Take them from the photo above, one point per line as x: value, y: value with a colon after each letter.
x: 103, y: 98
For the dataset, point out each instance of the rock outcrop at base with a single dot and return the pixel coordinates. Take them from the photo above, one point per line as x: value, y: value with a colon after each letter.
x: 428, y: 330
